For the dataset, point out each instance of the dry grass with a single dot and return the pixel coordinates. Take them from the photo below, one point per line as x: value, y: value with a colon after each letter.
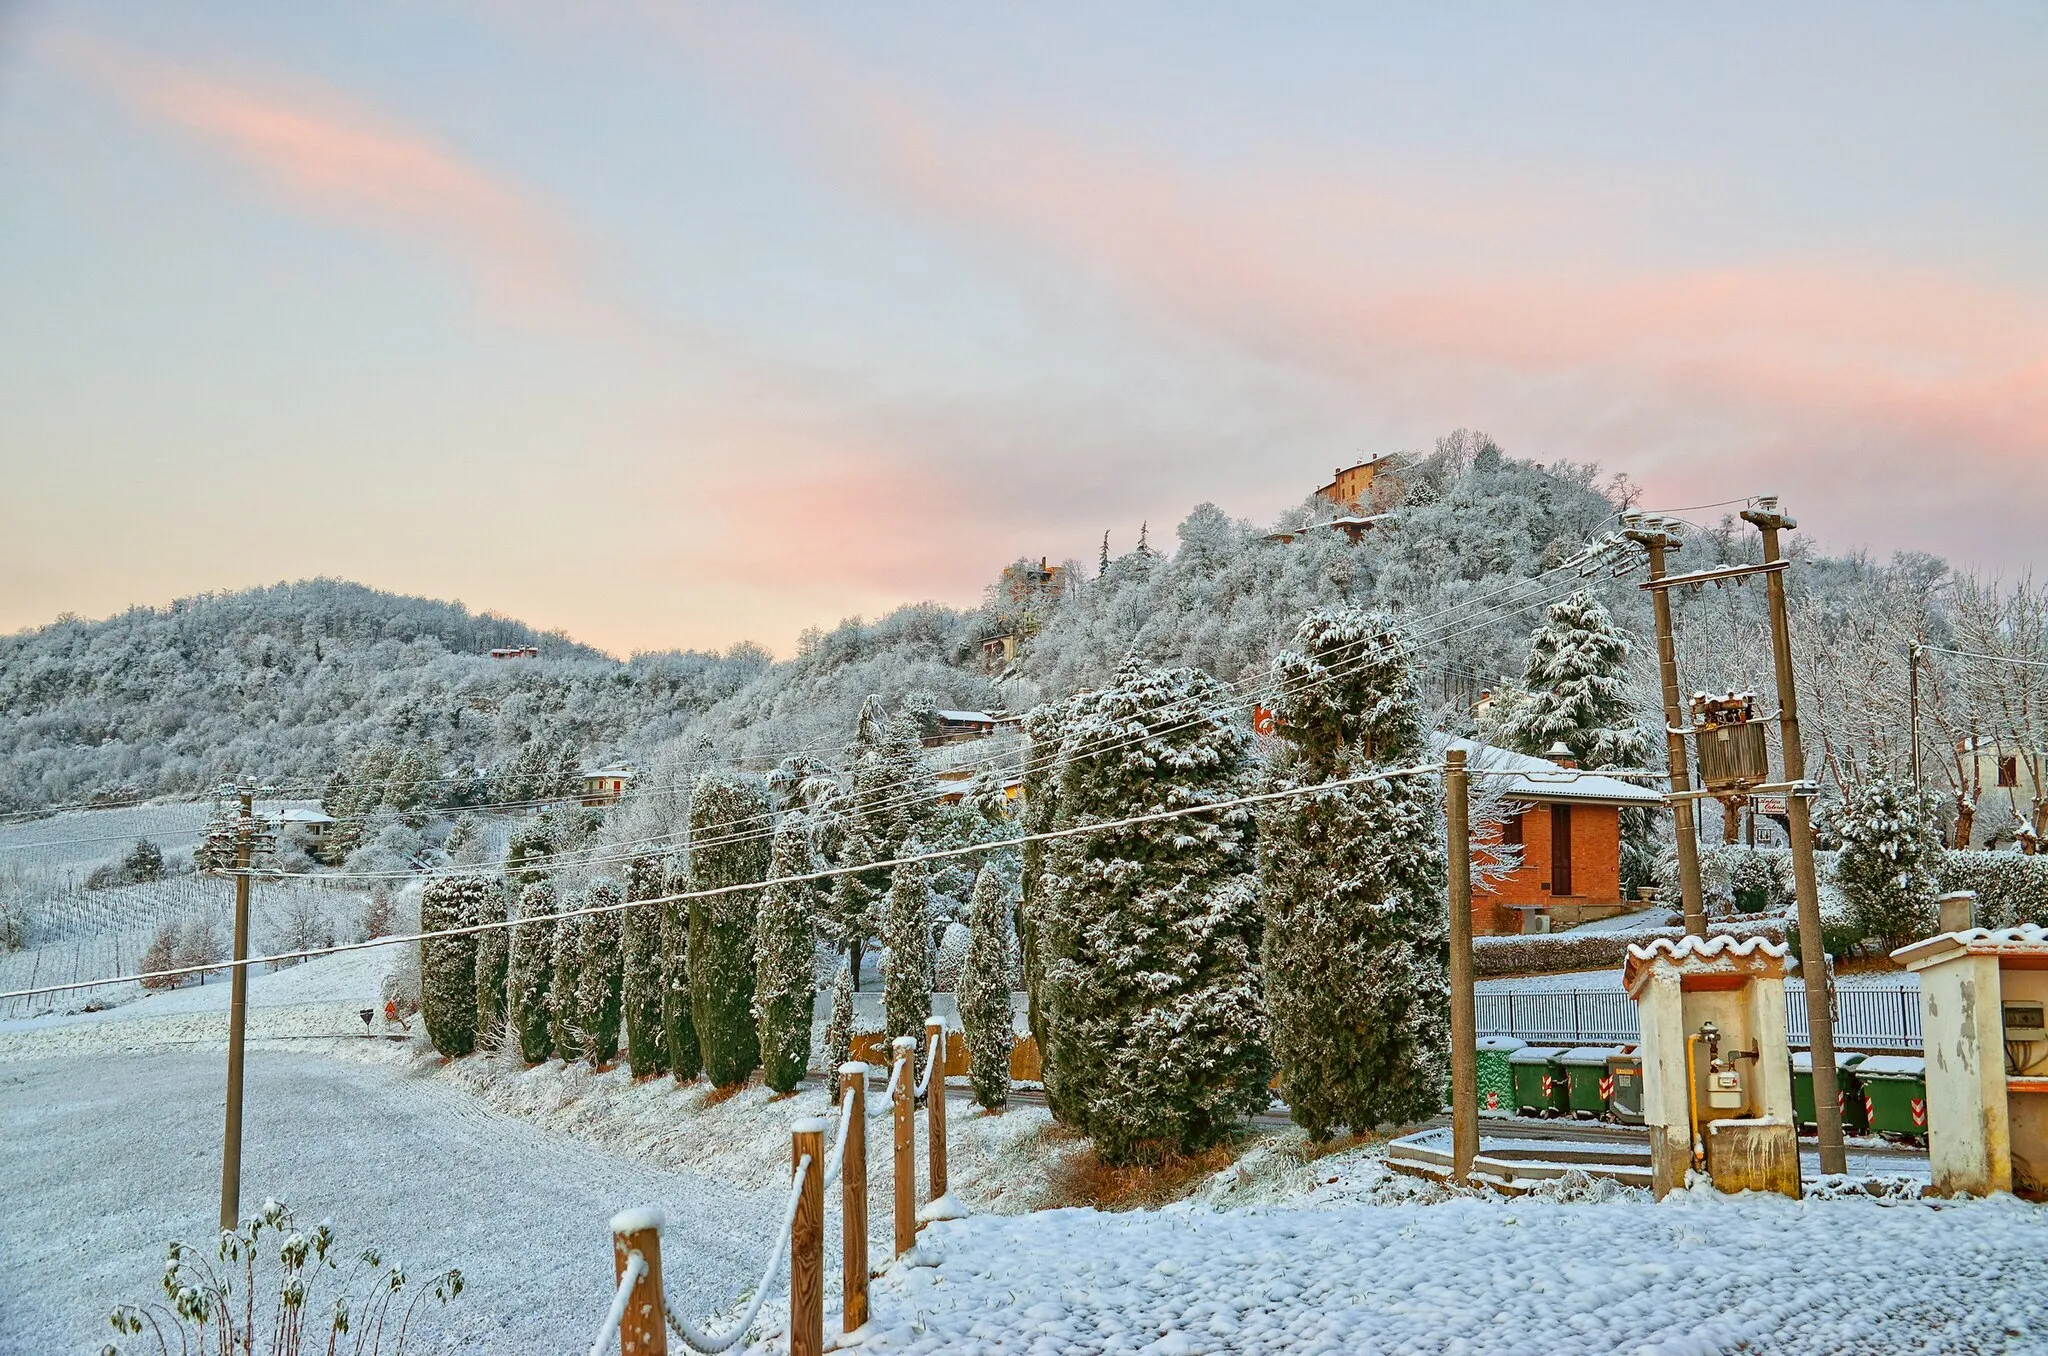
x: 1080, y: 1177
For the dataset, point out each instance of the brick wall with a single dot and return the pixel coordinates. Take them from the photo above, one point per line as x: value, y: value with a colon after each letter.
x: 1596, y: 872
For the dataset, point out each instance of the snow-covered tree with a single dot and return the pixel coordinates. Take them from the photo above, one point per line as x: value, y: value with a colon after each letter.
x: 1044, y: 729
x: 646, y: 1042
x: 730, y: 845
x: 1151, y: 985
x: 1352, y: 883
x: 1578, y: 686
x: 785, y: 961
x: 907, y: 987
x: 984, y: 990
x: 839, y: 1027
x: 1890, y: 855
x: 530, y: 972
x: 487, y: 904
x: 565, y: 983
x: 599, y: 987
x: 448, y: 964
x: 680, y: 1046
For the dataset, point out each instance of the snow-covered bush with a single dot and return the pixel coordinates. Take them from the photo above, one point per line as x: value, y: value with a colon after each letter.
x: 600, y: 980
x: 530, y: 972
x: 493, y: 960
x: 786, y: 960
x: 1889, y: 856
x: 642, y: 981
x: 984, y: 990
x: 1351, y: 880
x: 144, y: 861
x: 951, y: 953
x: 1151, y: 986
x: 2011, y: 887
x: 229, y: 1299
x: 448, y: 1003
x: 680, y: 1046
x: 839, y: 1027
x: 565, y: 983
x: 730, y: 845
x: 906, y: 987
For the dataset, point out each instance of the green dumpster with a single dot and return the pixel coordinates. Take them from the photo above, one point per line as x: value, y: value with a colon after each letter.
x: 1895, y: 1095
x: 1585, y: 1071
x: 1540, y: 1085
x: 1848, y: 1091
x: 1496, y: 1080
x: 1625, y: 1087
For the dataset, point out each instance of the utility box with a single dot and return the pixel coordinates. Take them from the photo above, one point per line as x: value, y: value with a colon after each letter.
x: 1983, y: 996
x: 1717, y: 1077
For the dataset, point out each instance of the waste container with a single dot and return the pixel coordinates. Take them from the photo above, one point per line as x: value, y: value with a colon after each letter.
x: 1625, y: 1087
x: 1540, y: 1085
x: 1585, y: 1071
x: 1895, y: 1095
x: 1848, y: 1090
x: 1496, y: 1081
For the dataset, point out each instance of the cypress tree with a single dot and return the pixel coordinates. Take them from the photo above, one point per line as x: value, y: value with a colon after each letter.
x: 530, y: 971
x: 1352, y: 883
x: 732, y: 809
x: 785, y: 962
x: 493, y: 957
x: 565, y: 983
x: 678, y: 1024
x: 599, y: 986
x: 984, y: 991
x: 1150, y: 931
x: 839, y: 1028
x: 1044, y: 728
x: 448, y: 967
x: 644, y: 978
x: 906, y: 989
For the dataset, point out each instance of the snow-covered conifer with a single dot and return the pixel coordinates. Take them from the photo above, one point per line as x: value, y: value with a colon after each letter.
x: 1352, y: 886
x: 1890, y: 854
x: 907, y: 987
x: 646, y: 1042
x: 984, y: 990
x: 1044, y: 728
x: 565, y: 984
x: 678, y: 1022
x: 1577, y: 681
x: 1151, y: 988
x: 839, y: 1027
x: 785, y: 961
x: 448, y: 966
x: 530, y: 972
x: 599, y: 988
x: 729, y: 816
x: 487, y: 904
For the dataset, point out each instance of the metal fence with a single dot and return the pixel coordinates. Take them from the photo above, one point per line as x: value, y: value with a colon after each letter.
x: 1865, y: 1019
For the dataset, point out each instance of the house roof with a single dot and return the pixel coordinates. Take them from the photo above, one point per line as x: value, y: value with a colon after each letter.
x: 1540, y: 780
x: 969, y: 717
x: 2028, y: 939
x: 616, y: 770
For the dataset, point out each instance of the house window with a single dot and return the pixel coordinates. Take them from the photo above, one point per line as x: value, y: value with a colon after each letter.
x: 1560, y: 849
x: 2009, y: 771
x: 1511, y: 831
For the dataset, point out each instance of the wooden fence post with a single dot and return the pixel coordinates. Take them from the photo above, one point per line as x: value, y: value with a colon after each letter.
x: 906, y: 1142
x: 935, y: 1105
x: 853, y: 1210
x: 807, y: 1241
x: 642, y: 1331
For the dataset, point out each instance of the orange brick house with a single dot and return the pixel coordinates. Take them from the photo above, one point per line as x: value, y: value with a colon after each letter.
x: 1568, y: 826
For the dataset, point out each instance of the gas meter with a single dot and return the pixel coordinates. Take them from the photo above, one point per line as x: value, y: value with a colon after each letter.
x: 1724, y: 1087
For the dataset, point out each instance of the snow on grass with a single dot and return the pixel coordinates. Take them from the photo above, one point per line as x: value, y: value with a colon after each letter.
x: 1699, y: 1273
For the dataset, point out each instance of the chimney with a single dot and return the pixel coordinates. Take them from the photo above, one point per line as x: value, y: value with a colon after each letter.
x: 1560, y: 754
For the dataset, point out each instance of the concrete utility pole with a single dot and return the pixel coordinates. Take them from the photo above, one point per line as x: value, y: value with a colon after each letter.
x: 1658, y: 536
x: 1913, y: 708
x: 238, y: 1015
x: 1813, y: 961
x: 1464, y: 1007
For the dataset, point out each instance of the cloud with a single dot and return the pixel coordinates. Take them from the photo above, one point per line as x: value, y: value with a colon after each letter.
x: 336, y: 160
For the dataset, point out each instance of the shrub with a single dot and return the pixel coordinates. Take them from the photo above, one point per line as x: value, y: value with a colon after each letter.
x: 2012, y: 887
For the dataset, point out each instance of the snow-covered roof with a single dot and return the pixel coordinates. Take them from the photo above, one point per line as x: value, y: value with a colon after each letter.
x: 967, y: 717
x: 616, y: 770
x: 1755, y: 953
x: 2028, y: 939
x: 305, y: 814
x: 1539, y: 779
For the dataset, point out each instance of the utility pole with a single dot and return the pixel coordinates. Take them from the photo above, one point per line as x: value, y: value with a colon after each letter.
x: 1464, y: 1013
x: 1913, y: 707
x: 1658, y: 536
x: 238, y: 1015
x: 1813, y: 960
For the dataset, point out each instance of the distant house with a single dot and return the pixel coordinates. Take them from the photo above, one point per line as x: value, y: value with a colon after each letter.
x: 516, y: 652
x: 605, y: 785
x: 959, y: 726
x: 313, y: 821
x: 954, y: 785
x: 1567, y: 824
x: 1351, y: 486
x: 1997, y: 764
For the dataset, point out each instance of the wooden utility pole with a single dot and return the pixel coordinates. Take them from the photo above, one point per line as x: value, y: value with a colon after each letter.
x: 238, y: 1016
x: 904, y: 1113
x: 935, y: 1108
x: 1656, y: 535
x: 1813, y: 960
x: 853, y: 1201
x: 1464, y: 1014
x: 807, y: 1241
x: 1913, y: 710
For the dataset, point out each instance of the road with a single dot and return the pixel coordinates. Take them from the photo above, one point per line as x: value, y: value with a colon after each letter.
x: 107, y: 1155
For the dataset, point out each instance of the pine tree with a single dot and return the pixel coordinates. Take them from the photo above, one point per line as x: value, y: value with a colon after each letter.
x: 785, y: 962
x: 1577, y: 680
x: 565, y: 982
x: 1150, y: 931
x: 839, y: 1028
x: 906, y: 987
x: 487, y: 904
x: 1890, y: 853
x: 644, y: 978
x: 530, y: 972
x: 599, y: 986
x: 984, y: 991
x: 1352, y: 886
x: 448, y: 967
x: 732, y: 809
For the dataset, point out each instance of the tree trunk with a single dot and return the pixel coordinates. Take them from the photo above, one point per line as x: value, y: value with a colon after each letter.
x: 853, y: 951
x: 1966, y: 817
